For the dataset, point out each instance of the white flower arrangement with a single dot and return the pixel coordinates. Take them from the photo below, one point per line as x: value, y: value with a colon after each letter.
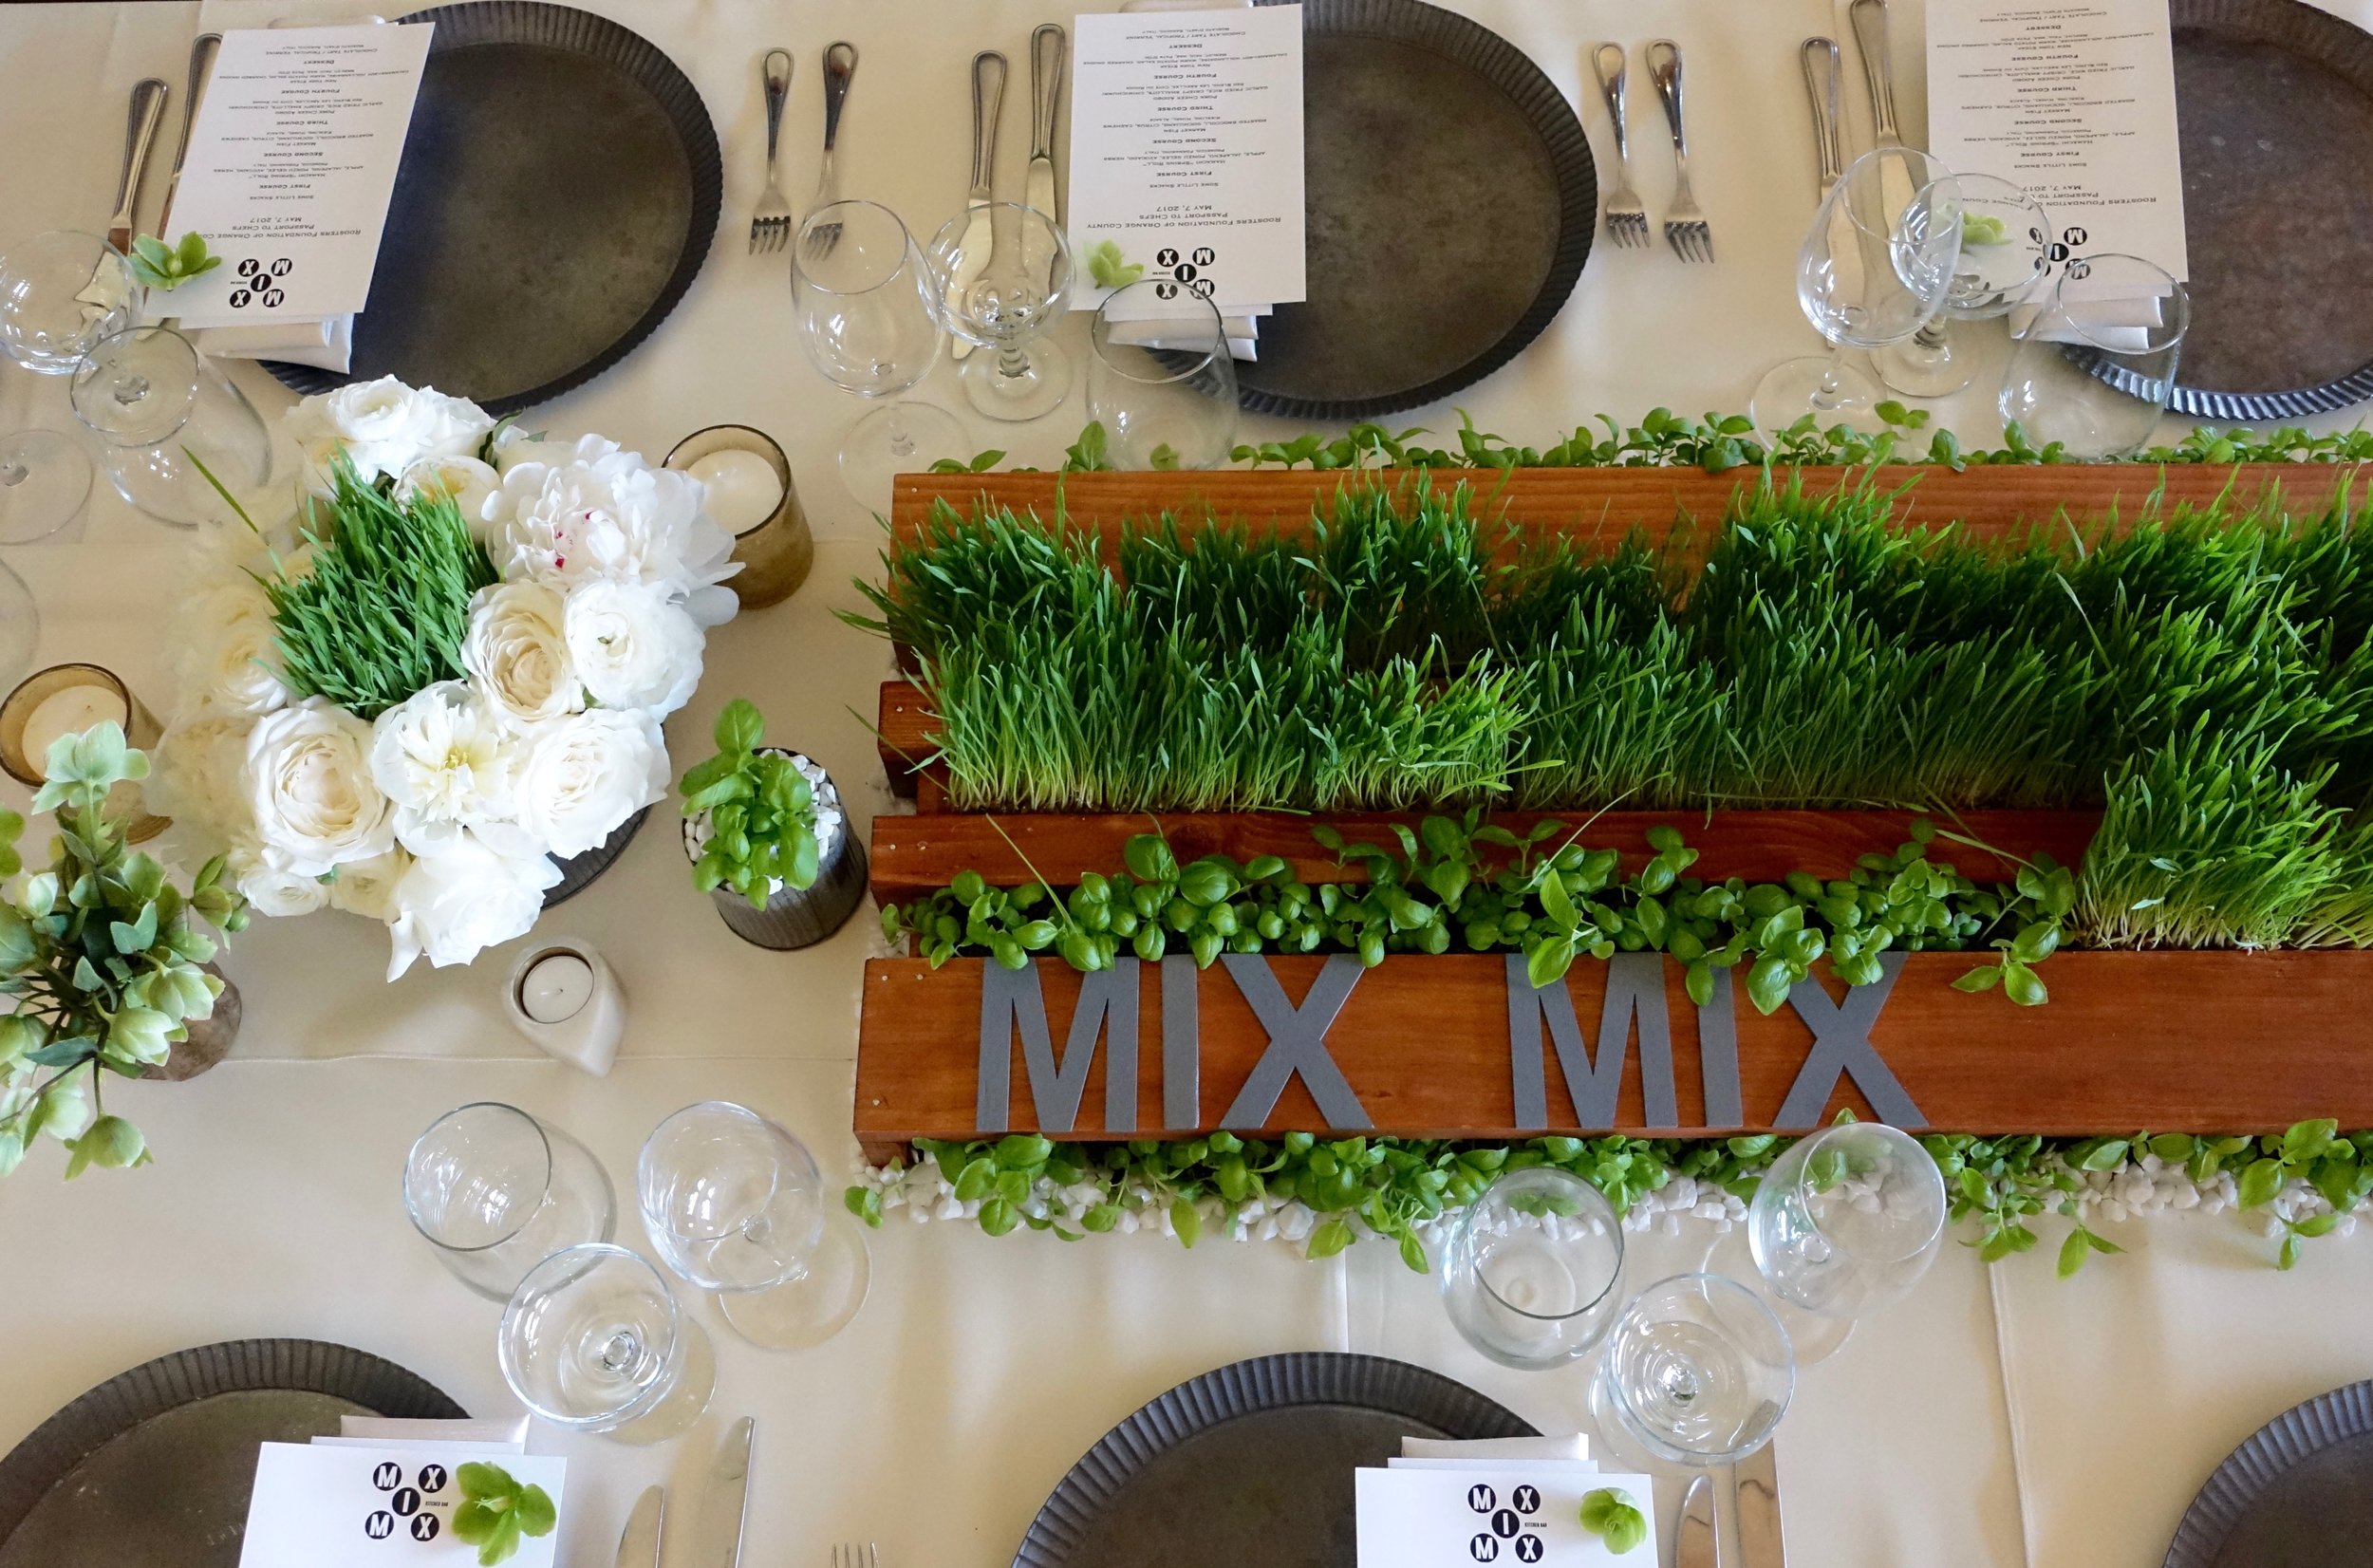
x: 440, y: 813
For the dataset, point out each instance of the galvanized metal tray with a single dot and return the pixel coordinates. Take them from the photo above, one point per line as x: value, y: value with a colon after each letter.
x: 2298, y: 1494
x: 1251, y: 1464
x: 1451, y: 199
x: 559, y: 190
x: 153, y: 1467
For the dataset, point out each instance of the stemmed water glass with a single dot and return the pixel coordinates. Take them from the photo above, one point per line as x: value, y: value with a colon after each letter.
x: 1532, y: 1273
x: 594, y: 1340
x: 2094, y: 371
x: 495, y: 1192
x: 736, y: 1205
x: 1160, y: 377
x: 166, y: 419
x: 1874, y: 270
x: 1847, y: 1220
x: 1698, y: 1372
x: 2005, y: 258
x: 869, y: 320
x: 59, y: 294
x: 1000, y: 291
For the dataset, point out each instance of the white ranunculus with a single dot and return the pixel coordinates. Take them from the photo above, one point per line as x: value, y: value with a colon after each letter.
x: 308, y: 779
x: 615, y: 518
x: 518, y: 653
x: 273, y: 891
x: 230, y: 659
x: 195, y: 773
x: 383, y: 427
x: 469, y: 484
x: 447, y: 761
x: 367, y: 887
x: 584, y: 775
x: 466, y: 897
x: 632, y: 647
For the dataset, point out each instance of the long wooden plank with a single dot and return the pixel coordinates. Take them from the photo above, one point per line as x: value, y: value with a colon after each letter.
x: 2187, y: 1042
x: 1608, y: 502
x: 916, y: 855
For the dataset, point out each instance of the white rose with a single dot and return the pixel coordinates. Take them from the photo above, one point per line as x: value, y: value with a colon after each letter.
x: 631, y: 646
x: 518, y: 653
x: 615, y: 518
x: 469, y: 484
x: 308, y: 778
x: 581, y: 776
x: 273, y: 891
x: 465, y: 898
x: 196, y: 777
x: 383, y: 427
x: 367, y: 887
x: 230, y: 659
x: 446, y: 762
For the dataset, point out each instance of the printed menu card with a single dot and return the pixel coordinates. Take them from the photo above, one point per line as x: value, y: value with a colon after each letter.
x: 290, y: 167
x: 2074, y: 101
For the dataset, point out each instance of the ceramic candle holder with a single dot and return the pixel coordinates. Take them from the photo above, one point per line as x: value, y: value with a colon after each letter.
x: 63, y: 700
x: 775, y: 552
x: 565, y: 1000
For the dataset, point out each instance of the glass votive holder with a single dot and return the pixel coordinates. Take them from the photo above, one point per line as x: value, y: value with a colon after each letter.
x: 751, y: 497
x: 68, y: 700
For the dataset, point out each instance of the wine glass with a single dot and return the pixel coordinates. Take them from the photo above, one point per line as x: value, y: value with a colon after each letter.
x: 736, y: 1205
x: 594, y: 1340
x: 1530, y: 1274
x: 2094, y: 370
x: 45, y: 480
x: 1848, y: 1219
x: 2005, y: 258
x: 1160, y: 377
x: 165, y: 420
x: 1874, y: 270
x: 869, y: 320
x: 60, y: 294
x: 1002, y: 292
x: 496, y: 1192
x: 1698, y: 1372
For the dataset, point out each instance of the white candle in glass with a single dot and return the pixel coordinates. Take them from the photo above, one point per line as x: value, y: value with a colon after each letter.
x: 69, y: 709
x: 741, y: 487
x: 556, y: 988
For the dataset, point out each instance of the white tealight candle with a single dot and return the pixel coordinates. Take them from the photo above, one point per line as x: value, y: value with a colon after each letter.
x: 69, y: 709
x: 556, y: 988
x: 742, y: 490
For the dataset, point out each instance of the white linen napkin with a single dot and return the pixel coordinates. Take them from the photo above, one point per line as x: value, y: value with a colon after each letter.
x: 1574, y: 1449
x: 512, y: 1434
x: 327, y: 343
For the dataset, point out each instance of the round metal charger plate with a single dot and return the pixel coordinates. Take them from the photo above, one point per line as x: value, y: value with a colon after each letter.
x: 2274, y: 100
x: 1452, y: 200
x: 1251, y: 1464
x: 559, y: 190
x: 2298, y: 1494
x: 153, y: 1467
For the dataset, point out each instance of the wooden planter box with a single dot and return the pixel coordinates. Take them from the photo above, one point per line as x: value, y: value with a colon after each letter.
x: 1461, y: 1045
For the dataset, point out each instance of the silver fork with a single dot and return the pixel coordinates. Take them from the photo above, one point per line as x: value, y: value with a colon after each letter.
x: 840, y: 68
x: 1685, y: 227
x: 851, y: 1556
x: 770, y: 222
x: 1627, y: 220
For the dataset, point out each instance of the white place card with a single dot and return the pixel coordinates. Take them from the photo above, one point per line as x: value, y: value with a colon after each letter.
x: 2074, y: 101
x: 1187, y: 150
x: 1519, y: 1517
x: 323, y: 1506
x: 290, y: 167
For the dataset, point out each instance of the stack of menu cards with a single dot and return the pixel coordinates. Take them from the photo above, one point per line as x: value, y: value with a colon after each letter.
x: 1186, y: 163
x: 2074, y: 100
x: 384, y: 1491
x: 1509, y: 1502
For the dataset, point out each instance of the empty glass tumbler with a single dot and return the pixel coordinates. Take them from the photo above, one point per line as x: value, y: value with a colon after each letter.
x: 594, y: 1340
x: 1848, y: 1219
x: 1160, y: 377
x: 495, y: 1192
x: 2094, y: 371
x: 1532, y: 1271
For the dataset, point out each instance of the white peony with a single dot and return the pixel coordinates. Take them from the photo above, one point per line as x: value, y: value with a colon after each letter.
x: 275, y: 891
x: 466, y: 897
x: 631, y: 646
x: 518, y: 655
x: 469, y: 484
x: 383, y: 427
x: 367, y: 887
x: 513, y: 446
x: 584, y: 775
x: 613, y: 517
x: 229, y: 655
x: 308, y: 779
x: 194, y: 778
x: 446, y: 762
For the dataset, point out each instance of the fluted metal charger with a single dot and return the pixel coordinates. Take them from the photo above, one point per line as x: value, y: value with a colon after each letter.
x: 2298, y: 1494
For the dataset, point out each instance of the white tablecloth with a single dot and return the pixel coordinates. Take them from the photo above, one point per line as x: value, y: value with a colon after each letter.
x: 981, y: 1368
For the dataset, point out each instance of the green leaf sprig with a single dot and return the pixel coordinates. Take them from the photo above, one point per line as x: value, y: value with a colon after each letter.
x: 1108, y: 268
x: 156, y: 264
x: 495, y: 1511
x: 762, y: 813
x: 1609, y: 1513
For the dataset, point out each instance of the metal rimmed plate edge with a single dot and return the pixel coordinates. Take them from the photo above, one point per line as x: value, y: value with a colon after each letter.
x: 2235, y: 1484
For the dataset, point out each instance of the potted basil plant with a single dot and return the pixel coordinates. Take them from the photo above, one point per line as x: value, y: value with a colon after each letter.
x: 768, y: 839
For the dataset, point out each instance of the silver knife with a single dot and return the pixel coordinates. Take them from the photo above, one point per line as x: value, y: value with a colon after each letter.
x: 979, y: 240
x: 638, y: 1544
x: 203, y: 52
x: 1822, y: 70
x: 1870, y: 38
x: 148, y: 109
x: 1762, y: 1545
x: 728, y: 1502
x: 1694, y: 1537
x: 1047, y: 48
